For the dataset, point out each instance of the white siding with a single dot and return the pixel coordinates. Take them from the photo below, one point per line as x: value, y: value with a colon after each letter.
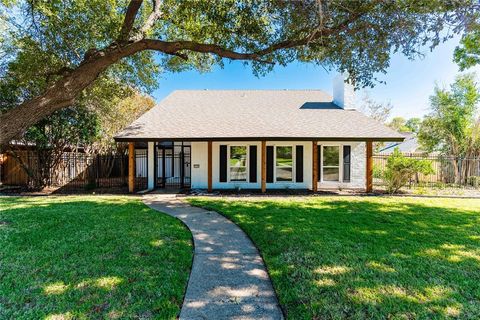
x: 307, y: 166
x: 216, y: 184
x: 199, y: 165
x: 200, y: 178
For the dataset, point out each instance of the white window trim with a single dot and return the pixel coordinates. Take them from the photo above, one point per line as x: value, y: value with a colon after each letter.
x: 275, y: 163
x: 247, y: 162
x: 340, y: 163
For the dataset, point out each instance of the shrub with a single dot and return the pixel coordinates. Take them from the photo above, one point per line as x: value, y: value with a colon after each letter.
x: 377, y: 172
x: 474, y: 181
x: 400, y: 169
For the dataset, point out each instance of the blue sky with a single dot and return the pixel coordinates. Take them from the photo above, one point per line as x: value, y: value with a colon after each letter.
x: 408, y: 83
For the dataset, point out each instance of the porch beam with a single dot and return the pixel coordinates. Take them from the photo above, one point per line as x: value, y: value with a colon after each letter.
x: 209, y: 166
x: 264, y: 166
x: 369, y: 167
x: 131, y: 167
x: 314, y: 166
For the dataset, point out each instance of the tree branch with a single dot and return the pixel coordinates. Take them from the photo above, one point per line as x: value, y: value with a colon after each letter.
x: 175, y: 47
x: 130, y: 16
x: 60, y: 72
x: 63, y: 92
x: 150, y: 20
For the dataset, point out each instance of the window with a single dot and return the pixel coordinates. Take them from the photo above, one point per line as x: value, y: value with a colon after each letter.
x: 284, y: 164
x: 331, y: 163
x: 238, y: 163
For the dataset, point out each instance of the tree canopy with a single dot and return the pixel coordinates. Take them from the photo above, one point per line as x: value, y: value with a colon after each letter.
x: 467, y: 54
x: 453, y: 125
x: 65, y: 47
x: 403, y: 125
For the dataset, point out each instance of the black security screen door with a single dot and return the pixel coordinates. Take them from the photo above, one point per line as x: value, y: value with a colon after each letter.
x: 172, y: 165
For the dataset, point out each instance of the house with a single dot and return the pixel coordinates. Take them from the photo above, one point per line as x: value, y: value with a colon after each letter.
x: 409, y: 145
x: 257, y: 139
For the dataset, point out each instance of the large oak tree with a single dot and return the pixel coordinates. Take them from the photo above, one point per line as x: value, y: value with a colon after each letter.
x: 68, y: 45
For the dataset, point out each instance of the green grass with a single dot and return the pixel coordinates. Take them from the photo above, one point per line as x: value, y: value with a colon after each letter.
x: 79, y: 257
x: 367, y: 258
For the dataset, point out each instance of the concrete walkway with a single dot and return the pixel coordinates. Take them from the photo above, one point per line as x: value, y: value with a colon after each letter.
x: 228, y: 279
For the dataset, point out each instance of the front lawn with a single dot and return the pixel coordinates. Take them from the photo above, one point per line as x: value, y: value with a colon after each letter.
x: 364, y: 258
x: 79, y: 257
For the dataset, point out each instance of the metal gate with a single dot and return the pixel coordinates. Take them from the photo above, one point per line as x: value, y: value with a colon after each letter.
x: 172, y: 165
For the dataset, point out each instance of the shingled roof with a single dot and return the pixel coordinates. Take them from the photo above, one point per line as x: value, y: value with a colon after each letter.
x: 253, y: 114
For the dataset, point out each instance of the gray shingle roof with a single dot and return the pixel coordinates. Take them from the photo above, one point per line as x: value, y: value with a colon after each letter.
x: 251, y: 114
x: 409, y: 145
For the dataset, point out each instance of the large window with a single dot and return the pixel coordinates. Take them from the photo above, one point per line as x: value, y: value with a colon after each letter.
x: 331, y: 163
x: 238, y: 163
x: 284, y: 164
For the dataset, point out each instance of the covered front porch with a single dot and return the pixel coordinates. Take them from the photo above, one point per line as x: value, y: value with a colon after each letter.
x: 163, y: 164
x: 197, y: 164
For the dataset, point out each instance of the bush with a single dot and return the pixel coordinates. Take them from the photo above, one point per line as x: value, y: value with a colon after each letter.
x: 474, y: 181
x: 400, y: 169
x: 377, y: 172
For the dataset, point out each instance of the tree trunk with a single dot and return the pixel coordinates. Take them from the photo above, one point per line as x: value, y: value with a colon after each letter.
x: 63, y: 92
x: 455, y: 170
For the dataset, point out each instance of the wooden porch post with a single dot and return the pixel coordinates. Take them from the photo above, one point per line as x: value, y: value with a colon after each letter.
x: 369, y: 173
x: 264, y: 166
x: 314, y: 166
x: 209, y: 166
x: 131, y: 167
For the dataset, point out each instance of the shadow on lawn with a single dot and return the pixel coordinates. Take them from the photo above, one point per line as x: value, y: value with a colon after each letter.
x: 364, y: 258
x: 104, y: 257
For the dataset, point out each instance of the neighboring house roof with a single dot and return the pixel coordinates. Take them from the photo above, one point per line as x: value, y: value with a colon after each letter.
x: 253, y: 114
x: 409, y: 145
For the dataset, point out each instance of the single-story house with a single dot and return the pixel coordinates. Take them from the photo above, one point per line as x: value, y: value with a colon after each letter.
x: 409, y: 146
x: 257, y: 139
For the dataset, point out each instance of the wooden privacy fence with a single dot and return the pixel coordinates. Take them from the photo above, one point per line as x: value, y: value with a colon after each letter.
x: 77, y: 171
x: 447, y: 171
x: 74, y: 171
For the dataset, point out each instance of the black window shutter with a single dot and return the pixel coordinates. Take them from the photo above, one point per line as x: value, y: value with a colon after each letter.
x: 346, y: 163
x: 319, y: 162
x: 269, y: 163
x: 299, y: 164
x: 253, y: 163
x: 223, y: 163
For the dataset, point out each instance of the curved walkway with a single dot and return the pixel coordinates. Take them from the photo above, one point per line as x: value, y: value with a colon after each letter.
x: 228, y: 278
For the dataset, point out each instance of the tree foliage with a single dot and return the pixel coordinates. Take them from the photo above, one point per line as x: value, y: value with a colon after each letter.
x: 453, y: 125
x: 68, y: 128
x: 66, y: 46
x: 114, y: 117
x: 398, y: 124
x: 413, y: 124
x: 467, y: 54
x: 400, y: 169
x: 401, y: 124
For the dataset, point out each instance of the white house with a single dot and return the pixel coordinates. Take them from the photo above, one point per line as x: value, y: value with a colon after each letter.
x: 257, y: 139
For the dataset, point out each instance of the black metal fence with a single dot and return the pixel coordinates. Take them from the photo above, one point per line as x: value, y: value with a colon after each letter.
x: 80, y: 171
x: 74, y: 172
x: 447, y: 171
